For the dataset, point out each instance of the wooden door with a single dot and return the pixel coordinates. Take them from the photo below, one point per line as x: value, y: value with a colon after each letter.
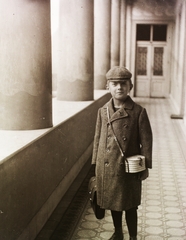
x: 150, y: 69
x: 151, y: 61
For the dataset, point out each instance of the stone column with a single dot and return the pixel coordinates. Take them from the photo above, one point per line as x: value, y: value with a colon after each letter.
x: 25, y: 60
x: 123, y: 33
x: 55, y: 40
x: 128, y: 35
x: 76, y: 51
x: 102, y: 24
x: 115, y: 32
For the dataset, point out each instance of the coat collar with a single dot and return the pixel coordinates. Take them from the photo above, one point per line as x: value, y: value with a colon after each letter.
x: 121, y: 113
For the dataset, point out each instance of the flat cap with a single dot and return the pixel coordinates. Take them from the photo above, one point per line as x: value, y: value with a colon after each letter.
x: 118, y: 73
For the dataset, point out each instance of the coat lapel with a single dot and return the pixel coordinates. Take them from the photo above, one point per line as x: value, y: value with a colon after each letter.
x: 121, y: 113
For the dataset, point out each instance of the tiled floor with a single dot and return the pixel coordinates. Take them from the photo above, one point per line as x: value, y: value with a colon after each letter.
x: 162, y: 214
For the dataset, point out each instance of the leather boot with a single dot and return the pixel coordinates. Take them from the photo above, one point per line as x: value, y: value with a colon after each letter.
x: 133, y: 238
x: 117, y: 235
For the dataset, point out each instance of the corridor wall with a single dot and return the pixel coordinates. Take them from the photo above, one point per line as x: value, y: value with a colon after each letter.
x: 178, y: 81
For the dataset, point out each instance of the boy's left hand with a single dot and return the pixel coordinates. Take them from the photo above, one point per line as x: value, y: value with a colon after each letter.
x: 144, y: 174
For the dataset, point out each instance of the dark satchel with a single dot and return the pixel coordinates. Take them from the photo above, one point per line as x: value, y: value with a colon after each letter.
x: 92, y: 190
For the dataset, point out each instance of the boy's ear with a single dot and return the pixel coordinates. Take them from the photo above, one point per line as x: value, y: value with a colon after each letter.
x: 131, y: 86
x: 107, y: 85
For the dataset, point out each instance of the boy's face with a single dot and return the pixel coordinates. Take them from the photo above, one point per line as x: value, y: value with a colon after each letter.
x: 119, y: 89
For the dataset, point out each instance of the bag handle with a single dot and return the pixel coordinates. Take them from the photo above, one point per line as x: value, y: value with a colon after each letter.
x: 115, y: 138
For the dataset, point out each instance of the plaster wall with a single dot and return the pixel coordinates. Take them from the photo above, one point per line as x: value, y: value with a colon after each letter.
x: 178, y: 59
x: 153, y: 10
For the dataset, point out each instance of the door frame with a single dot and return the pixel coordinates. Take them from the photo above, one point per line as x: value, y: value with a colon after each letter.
x: 132, y: 45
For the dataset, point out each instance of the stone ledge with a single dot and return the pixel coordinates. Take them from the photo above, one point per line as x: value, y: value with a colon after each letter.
x: 13, y: 141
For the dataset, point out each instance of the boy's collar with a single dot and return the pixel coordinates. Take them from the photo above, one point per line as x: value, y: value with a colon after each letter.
x: 128, y: 104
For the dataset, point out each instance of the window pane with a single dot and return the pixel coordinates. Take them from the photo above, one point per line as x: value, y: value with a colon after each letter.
x: 143, y: 32
x: 158, y: 61
x: 159, y: 32
x: 142, y: 61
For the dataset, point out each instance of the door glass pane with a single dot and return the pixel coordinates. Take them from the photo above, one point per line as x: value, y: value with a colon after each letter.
x: 158, y: 61
x: 143, y: 32
x: 159, y: 32
x: 142, y: 61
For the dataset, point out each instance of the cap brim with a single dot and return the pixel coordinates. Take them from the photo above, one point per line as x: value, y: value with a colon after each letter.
x: 118, y: 79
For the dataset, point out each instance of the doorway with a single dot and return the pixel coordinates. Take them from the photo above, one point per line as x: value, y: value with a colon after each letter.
x: 151, y: 53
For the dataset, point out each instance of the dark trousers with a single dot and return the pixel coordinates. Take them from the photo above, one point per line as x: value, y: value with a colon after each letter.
x: 131, y: 220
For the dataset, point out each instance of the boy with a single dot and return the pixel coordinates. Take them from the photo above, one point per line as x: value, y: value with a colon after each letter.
x: 117, y: 190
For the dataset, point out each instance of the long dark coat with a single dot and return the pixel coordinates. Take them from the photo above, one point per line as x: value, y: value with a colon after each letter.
x: 117, y: 190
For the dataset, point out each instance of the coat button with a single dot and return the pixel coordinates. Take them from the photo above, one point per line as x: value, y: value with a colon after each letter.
x: 124, y: 138
x: 108, y: 149
x: 106, y: 164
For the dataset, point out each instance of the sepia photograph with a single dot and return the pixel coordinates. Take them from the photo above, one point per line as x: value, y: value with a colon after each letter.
x: 92, y: 119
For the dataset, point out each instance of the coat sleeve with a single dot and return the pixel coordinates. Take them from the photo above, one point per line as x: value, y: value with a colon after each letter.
x: 96, y: 137
x: 145, y: 133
